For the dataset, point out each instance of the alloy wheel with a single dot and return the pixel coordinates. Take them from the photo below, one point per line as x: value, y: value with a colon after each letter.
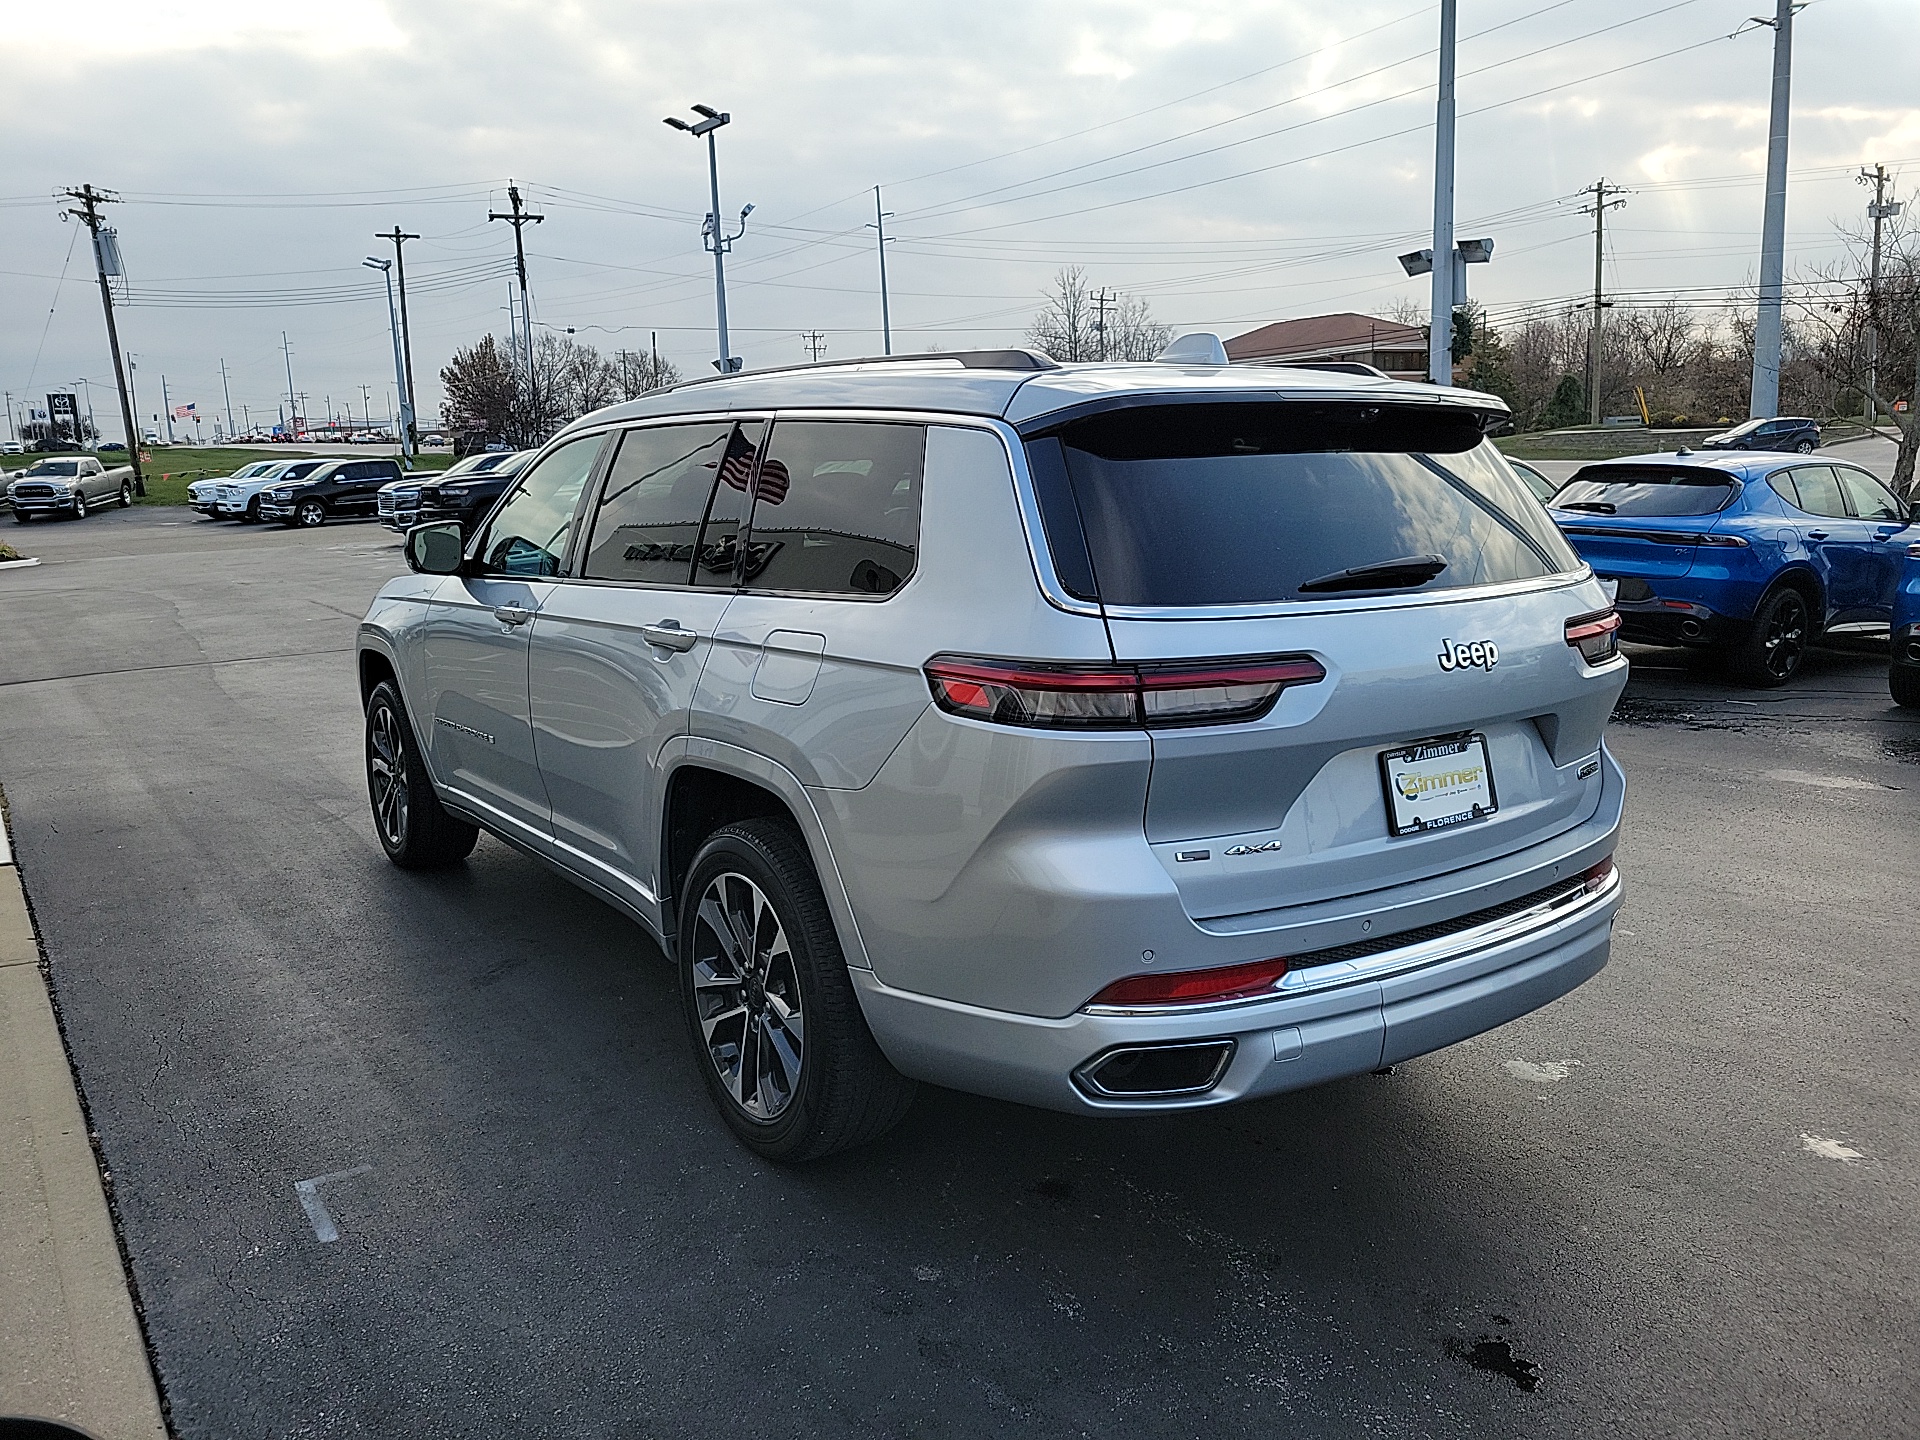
x: 747, y: 996
x: 79, y: 506
x: 312, y: 513
x: 387, y: 775
x: 1786, y: 635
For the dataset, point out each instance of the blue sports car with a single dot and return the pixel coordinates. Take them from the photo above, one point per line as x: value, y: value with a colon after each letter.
x: 1753, y: 554
x: 1903, y: 675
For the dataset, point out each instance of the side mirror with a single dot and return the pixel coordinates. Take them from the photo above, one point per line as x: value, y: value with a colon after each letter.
x: 436, y: 549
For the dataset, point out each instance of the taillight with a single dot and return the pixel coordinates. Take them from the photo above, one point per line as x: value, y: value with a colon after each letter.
x: 1195, y: 987
x: 1594, y: 876
x: 1595, y: 636
x: 1112, y: 697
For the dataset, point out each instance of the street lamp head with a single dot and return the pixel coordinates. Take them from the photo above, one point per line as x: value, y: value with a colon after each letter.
x: 1476, y: 252
x: 1417, y: 262
x: 706, y: 110
x: 676, y: 124
x: 748, y: 210
x: 374, y: 262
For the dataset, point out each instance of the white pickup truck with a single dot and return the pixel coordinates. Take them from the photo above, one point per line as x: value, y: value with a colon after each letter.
x: 67, y: 485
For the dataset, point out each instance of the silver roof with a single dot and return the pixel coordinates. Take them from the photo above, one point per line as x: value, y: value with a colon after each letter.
x: 946, y: 386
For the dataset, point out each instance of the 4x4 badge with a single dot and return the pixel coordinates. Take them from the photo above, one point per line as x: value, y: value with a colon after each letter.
x: 1480, y: 655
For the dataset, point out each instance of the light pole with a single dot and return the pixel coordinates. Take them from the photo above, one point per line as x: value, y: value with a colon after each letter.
x: 712, y: 236
x: 385, y: 267
x: 1420, y: 262
x: 1440, y: 333
x: 1764, y: 403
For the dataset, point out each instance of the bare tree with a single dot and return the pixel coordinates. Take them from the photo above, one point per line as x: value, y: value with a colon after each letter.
x: 1064, y: 328
x: 1074, y: 326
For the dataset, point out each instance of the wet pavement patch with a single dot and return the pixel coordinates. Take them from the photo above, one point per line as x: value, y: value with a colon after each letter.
x: 1496, y: 1357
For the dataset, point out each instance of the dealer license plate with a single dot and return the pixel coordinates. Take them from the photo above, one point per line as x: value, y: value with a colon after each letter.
x: 1436, y: 783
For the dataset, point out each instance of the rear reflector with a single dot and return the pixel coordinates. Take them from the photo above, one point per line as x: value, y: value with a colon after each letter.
x: 1596, y: 636
x: 1110, y: 697
x: 1195, y: 987
x: 1596, y: 875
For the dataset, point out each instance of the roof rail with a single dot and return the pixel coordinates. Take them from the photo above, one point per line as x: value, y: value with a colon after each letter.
x: 968, y: 359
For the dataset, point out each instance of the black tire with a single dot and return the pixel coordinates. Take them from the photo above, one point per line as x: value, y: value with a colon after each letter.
x: 251, y: 515
x: 310, y: 515
x: 79, y: 506
x: 818, y: 1088
x: 126, y: 493
x: 414, y: 829
x: 20, y: 517
x: 1904, y: 682
x: 1776, y: 641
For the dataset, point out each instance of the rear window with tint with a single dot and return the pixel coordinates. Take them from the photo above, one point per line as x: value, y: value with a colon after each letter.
x: 1646, y: 490
x: 1253, y: 503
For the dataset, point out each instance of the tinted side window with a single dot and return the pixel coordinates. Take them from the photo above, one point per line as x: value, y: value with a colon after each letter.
x: 658, y: 493
x: 1870, y: 500
x: 529, y: 533
x: 837, y: 508
x: 1782, y: 483
x: 1819, y: 491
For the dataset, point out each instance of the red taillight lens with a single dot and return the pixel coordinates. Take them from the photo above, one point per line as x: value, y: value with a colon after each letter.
x: 1195, y: 987
x: 1108, y: 697
x: 1595, y: 636
x: 1594, y: 876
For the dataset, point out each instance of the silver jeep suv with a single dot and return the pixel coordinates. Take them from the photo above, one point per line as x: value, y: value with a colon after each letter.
x: 1114, y: 738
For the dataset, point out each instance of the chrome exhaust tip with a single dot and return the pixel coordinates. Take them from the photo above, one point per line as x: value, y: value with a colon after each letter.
x: 1155, y: 1072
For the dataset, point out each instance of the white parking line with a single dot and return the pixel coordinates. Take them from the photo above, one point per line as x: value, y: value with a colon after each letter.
x: 324, y: 1230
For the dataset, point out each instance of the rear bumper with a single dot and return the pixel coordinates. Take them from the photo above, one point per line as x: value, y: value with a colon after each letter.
x: 1277, y: 1044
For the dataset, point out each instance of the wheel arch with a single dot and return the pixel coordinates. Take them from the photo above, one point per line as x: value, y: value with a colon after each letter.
x: 1807, y: 582
x: 707, y: 784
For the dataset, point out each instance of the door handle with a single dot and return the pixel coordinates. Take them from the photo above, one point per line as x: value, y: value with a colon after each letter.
x: 511, y: 615
x: 669, y: 636
x: 1816, y: 534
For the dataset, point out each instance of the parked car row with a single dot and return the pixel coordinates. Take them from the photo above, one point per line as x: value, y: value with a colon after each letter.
x: 306, y: 492
x: 1752, y: 554
x: 463, y: 492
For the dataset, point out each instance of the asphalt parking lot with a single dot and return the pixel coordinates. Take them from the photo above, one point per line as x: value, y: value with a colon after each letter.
x: 1684, y: 1200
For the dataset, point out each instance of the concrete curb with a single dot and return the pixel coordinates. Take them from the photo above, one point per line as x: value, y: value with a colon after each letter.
x: 19, y: 564
x: 70, y: 1344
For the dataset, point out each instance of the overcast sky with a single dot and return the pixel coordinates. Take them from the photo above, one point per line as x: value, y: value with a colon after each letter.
x: 1234, y: 162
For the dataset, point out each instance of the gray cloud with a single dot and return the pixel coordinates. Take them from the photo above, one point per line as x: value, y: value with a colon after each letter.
x: 826, y: 101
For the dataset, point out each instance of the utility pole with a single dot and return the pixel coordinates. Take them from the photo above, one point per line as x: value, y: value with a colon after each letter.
x: 1440, y: 332
x: 1101, y: 299
x: 1765, y: 399
x: 1601, y: 191
x: 815, y: 343
x: 12, y: 434
x: 166, y: 406
x: 399, y: 237
x: 518, y: 218
x: 247, y: 416
x: 366, y: 413
x: 293, y: 401
x: 106, y: 261
x: 1879, y: 211
x: 228, y: 393
x: 880, y: 233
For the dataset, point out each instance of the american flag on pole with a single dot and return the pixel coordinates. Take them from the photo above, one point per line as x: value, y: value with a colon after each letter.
x: 183, y: 412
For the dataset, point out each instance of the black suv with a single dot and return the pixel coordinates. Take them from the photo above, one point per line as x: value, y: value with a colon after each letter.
x: 1787, y: 432
x: 341, y: 489
x: 468, y: 497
